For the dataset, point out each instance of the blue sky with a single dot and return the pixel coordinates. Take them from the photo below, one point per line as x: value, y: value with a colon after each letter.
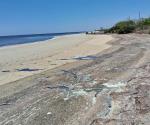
x: 46, y: 16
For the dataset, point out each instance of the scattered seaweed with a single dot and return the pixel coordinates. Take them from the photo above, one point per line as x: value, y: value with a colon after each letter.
x: 28, y: 70
x: 85, y: 58
x: 6, y: 71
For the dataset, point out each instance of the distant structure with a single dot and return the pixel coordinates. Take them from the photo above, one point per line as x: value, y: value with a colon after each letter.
x: 97, y: 31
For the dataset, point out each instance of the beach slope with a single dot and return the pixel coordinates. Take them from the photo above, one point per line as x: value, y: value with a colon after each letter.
x: 20, y: 61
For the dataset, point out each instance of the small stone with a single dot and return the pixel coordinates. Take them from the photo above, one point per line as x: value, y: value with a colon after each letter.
x: 93, y: 100
x: 65, y: 99
x: 49, y: 113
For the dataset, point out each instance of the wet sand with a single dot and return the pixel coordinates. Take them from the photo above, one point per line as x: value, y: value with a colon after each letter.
x: 20, y: 61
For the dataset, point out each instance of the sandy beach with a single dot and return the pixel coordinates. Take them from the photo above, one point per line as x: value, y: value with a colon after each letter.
x: 111, y: 89
x: 20, y: 61
x: 75, y: 62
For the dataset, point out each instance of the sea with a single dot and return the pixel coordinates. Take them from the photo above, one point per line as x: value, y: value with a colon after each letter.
x: 22, y: 39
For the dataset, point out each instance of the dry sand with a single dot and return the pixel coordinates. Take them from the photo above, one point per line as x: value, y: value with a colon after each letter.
x: 42, y: 56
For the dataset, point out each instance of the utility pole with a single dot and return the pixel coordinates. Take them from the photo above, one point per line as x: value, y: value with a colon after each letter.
x: 129, y: 18
x: 139, y: 15
x: 141, y: 20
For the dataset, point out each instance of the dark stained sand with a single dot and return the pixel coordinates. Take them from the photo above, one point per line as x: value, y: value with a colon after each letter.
x: 111, y: 89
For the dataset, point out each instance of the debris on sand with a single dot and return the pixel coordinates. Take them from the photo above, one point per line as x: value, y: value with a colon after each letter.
x: 79, y: 92
x: 93, y: 100
x: 116, y: 85
x: 28, y: 70
x: 49, y: 113
x: 85, y: 57
x: 6, y: 71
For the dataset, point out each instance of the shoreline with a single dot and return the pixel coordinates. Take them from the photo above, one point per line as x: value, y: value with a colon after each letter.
x: 13, y: 40
x: 36, y: 42
x: 20, y: 61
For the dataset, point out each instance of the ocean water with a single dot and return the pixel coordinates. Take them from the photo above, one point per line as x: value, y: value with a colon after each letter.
x: 22, y: 39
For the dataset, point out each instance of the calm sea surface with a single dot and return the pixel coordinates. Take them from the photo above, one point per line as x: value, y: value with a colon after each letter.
x: 21, y: 39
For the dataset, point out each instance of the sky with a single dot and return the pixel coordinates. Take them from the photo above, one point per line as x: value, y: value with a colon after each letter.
x: 52, y: 16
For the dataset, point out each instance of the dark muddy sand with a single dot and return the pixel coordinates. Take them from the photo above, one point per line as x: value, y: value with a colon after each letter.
x: 109, y: 88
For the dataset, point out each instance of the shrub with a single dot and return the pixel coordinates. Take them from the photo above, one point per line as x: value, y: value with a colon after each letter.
x: 130, y: 26
x: 123, y: 27
x: 146, y: 22
x: 143, y: 24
